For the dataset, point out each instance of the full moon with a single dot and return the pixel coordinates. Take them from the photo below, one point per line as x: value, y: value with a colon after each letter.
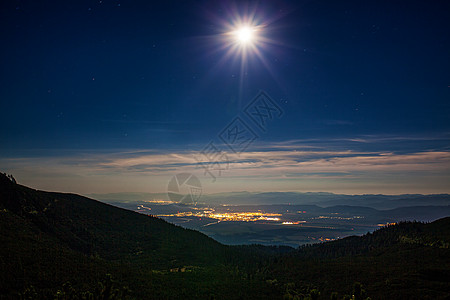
x: 245, y: 35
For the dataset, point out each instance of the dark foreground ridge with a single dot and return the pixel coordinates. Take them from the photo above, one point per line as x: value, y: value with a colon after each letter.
x: 50, y: 239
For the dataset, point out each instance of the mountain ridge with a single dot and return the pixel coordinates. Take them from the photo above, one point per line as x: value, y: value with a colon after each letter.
x: 324, y: 199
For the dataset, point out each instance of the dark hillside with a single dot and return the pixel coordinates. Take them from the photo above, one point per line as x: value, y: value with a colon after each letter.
x: 105, y: 231
x: 50, y: 238
x: 409, y: 260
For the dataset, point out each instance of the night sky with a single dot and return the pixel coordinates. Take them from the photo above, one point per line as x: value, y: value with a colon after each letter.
x: 119, y: 96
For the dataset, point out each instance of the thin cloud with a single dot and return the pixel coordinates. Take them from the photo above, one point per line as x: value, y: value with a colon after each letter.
x: 274, y: 166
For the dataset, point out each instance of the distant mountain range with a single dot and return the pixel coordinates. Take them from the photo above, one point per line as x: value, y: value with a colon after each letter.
x: 313, y: 198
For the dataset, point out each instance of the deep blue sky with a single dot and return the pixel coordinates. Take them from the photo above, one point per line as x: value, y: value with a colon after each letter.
x: 89, y: 84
